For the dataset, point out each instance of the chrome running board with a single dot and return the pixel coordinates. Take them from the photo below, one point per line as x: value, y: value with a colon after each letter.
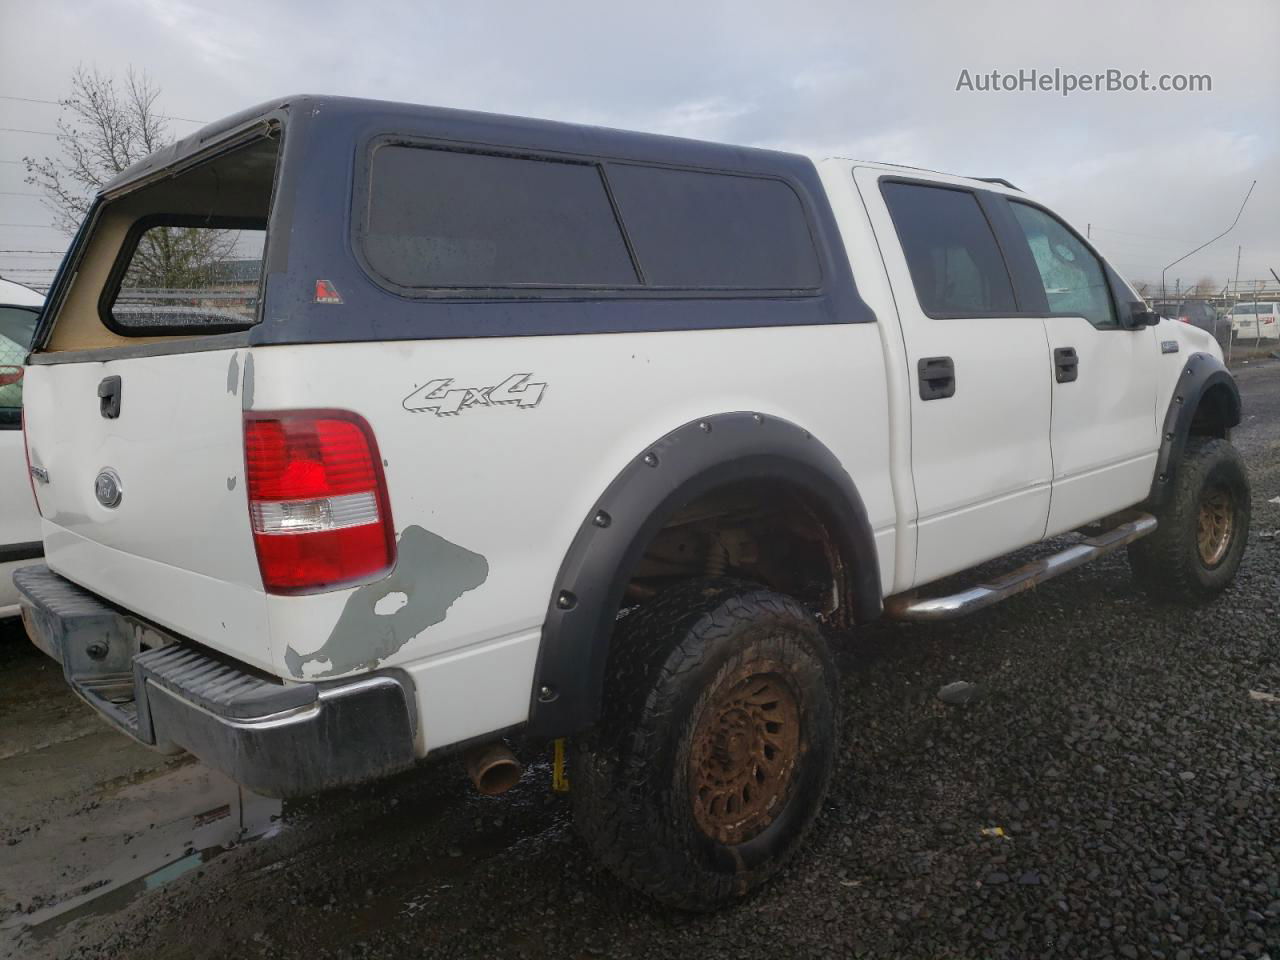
x: 909, y: 606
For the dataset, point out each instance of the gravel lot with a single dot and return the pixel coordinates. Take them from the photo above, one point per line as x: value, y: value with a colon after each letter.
x: 1113, y: 790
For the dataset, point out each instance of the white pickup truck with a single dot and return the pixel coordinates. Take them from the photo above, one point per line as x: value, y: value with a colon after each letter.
x: 452, y: 428
x: 19, y: 524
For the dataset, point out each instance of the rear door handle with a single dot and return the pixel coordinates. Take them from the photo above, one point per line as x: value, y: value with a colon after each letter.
x: 937, y: 378
x: 1066, y: 365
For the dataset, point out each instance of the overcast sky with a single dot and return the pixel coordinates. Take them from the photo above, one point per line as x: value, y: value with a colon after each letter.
x: 1153, y: 174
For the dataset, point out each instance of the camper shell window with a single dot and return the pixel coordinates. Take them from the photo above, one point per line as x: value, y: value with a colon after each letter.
x: 449, y: 221
x: 192, y: 263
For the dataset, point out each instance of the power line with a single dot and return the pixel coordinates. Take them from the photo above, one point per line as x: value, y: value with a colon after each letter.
x: 42, y: 226
x: 39, y: 133
x: 20, y: 193
x: 1130, y: 233
x: 43, y: 133
x: 59, y: 103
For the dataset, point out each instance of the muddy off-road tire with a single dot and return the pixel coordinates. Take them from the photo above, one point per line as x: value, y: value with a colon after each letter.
x: 1196, y: 550
x: 716, y: 745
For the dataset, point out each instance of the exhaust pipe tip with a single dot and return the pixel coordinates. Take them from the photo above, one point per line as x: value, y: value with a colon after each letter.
x: 493, y: 769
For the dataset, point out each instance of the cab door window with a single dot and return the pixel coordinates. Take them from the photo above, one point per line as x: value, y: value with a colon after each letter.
x: 956, y: 265
x: 1074, y: 281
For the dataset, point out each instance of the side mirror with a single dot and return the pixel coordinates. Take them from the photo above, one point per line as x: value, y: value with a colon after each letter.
x: 1139, y: 317
x: 9, y: 374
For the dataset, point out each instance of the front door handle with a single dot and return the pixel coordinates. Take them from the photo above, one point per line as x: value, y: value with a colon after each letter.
x: 1066, y: 365
x: 937, y: 378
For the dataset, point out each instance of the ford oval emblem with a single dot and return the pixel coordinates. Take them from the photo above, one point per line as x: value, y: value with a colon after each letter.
x: 107, y: 488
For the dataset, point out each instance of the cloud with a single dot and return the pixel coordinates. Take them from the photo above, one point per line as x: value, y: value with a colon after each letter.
x: 876, y: 81
x: 211, y: 36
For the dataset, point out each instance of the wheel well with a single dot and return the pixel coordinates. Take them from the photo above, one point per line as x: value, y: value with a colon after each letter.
x: 766, y: 530
x: 757, y: 495
x: 1214, y: 415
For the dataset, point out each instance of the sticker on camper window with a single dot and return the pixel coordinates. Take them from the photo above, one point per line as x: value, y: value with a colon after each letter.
x: 444, y: 399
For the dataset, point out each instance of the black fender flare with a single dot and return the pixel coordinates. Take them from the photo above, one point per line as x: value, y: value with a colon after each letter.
x: 688, y: 462
x: 1201, y: 373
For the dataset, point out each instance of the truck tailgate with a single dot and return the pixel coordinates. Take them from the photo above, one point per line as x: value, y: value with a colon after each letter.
x: 176, y: 548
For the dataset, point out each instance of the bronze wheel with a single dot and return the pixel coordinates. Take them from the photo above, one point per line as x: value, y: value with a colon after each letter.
x: 1203, y: 529
x: 716, y: 742
x: 1214, y: 526
x: 743, y: 758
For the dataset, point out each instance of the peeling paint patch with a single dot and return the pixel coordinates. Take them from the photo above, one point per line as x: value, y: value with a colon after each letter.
x: 231, y: 483
x: 431, y: 573
x: 233, y: 374
x: 246, y: 393
x: 316, y: 668
x: 390, y: 603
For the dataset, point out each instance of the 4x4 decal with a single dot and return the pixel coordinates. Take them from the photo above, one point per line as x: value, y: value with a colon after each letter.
x: 446, y: 400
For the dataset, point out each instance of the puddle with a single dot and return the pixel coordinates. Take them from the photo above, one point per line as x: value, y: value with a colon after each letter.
x: 102, y: 902
x: 144, y: 836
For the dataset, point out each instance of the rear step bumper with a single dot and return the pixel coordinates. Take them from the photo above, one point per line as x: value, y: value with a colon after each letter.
x: 282, y: 740
x: 907, y: 606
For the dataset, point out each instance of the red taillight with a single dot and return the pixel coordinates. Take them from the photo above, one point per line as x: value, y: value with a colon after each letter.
x: 1184, y: 319
x: 317, y: 500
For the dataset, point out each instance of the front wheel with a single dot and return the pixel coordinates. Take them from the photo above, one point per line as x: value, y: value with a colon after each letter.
x: 716, y: 745
x: 1196, y: 550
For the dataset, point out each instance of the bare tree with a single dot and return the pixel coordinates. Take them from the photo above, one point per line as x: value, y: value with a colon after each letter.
x: 103, y: 130
x: 177, y: 258
x: 106, y: 127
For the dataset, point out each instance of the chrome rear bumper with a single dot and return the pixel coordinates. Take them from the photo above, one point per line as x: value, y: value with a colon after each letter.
x: 279, y: 739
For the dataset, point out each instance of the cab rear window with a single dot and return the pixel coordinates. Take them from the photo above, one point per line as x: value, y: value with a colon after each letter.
x: 451, y: 221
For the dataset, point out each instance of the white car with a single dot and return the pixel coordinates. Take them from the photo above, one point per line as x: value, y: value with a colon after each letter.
x: 528, y: 429
x: 1256, y: 321
x: 19, y: 523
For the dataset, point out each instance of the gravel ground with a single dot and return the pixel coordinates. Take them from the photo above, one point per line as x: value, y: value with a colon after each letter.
x: 1111, y: 790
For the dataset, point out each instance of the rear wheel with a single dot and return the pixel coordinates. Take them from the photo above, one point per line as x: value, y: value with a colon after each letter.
x: 1204, y: 525
x: 716, y: 745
